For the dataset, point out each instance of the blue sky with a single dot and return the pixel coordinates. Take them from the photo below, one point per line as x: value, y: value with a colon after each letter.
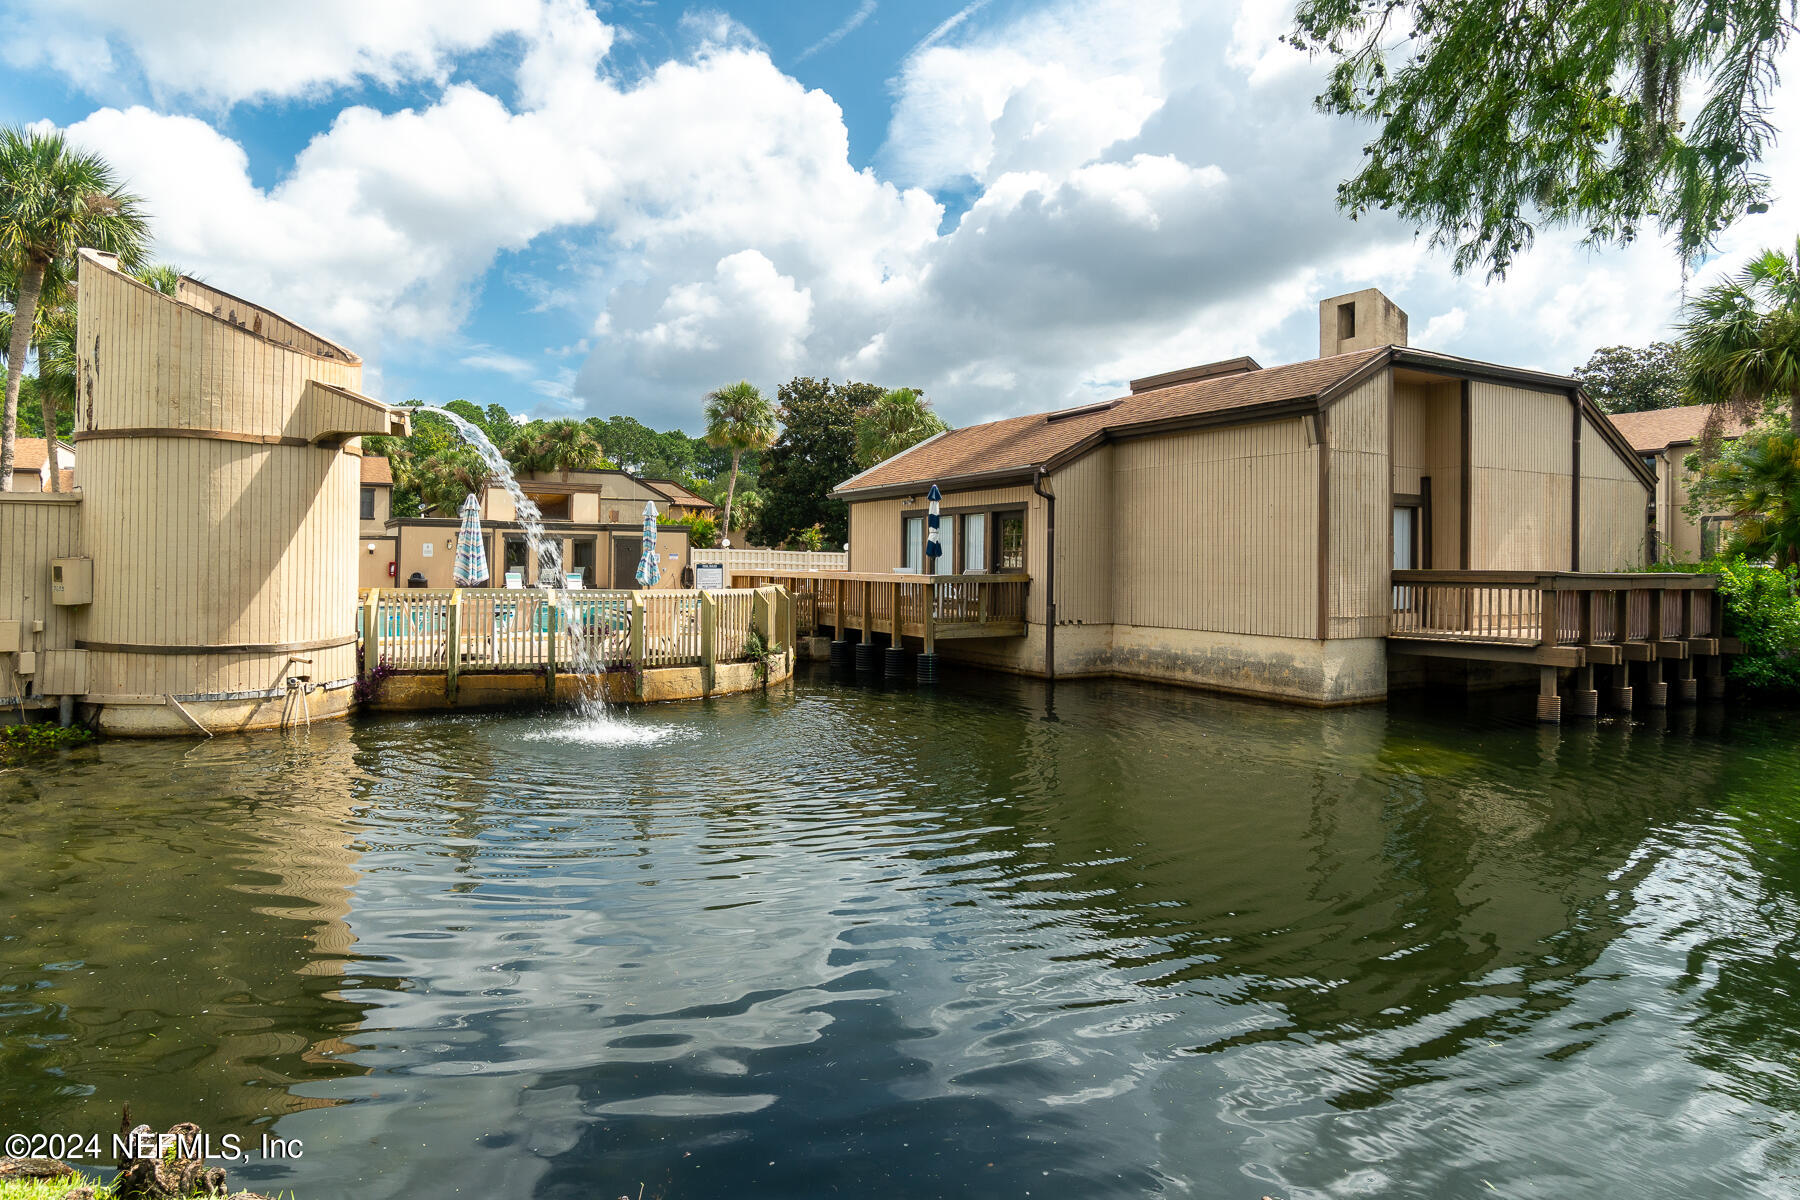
x: 574, y: 209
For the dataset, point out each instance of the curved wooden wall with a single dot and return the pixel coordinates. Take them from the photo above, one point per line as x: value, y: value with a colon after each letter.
x: 213, y: 523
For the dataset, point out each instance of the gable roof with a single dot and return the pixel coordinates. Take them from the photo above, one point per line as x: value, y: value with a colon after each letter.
x: 1020, y: 445
x: 1660, y: 428
x: 377, y: 470
x: 1014, y: 449
x: 29, y: 453
x: 676, y: 492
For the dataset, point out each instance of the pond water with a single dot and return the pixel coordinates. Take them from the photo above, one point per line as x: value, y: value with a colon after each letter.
x: 988, y: 939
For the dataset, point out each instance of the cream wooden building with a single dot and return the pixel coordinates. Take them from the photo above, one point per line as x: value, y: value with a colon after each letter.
x: 1240, y: 527
x: 204, y: 573
x: 596, y: 517
x: 1663, y: 439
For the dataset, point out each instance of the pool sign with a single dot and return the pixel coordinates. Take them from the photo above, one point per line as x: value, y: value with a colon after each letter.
x: 709, y: 575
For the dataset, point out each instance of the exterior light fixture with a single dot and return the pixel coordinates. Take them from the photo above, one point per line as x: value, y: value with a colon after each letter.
x: 371, y: 547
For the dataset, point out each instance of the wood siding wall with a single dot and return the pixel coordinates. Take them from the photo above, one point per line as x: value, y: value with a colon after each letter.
x: 1428, y: 445
x: 35, y: 528
x: 1217, y: 530
x: 1086, y: 537
x: 1521, y: 459
x: 1360, y: 548
x: 202, y: 541
x: 1614, y: 504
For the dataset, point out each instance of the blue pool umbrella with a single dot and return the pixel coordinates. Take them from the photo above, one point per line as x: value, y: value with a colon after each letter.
x: 471, y: 552
x: 649, y: 569
x: 934, y: 549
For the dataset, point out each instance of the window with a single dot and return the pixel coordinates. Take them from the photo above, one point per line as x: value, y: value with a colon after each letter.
x: 1009, y: 541
x: 944, y: 562
x: 914, y: 544
x: 368, y: 504
x: 974, y: 542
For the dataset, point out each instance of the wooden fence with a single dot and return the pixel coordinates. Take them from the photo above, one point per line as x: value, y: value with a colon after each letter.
x: 512, y: 630
x: 1584, y: 608
x: 927, y: 607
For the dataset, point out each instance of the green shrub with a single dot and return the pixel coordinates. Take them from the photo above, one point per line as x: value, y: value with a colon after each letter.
x: 1762, y: 611
x: 19, y: 742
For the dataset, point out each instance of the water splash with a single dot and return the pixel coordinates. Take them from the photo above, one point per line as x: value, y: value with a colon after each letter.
x: 577, y: 654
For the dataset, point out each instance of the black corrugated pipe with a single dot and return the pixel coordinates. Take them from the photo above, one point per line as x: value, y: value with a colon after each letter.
x: 1037, y: 485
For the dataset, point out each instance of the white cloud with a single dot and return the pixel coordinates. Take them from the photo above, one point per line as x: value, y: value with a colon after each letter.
x: 225, y: 53
x: 1150, y: 189
x: 863, y: 12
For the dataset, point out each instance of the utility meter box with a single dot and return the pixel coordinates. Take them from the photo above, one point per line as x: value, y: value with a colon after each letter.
x: 10, y: 637
x: 26, y: 663
x: 71, y: 581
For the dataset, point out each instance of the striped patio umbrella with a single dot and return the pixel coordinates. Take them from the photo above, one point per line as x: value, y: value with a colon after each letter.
x: 934, y: 548
x: 471, y: 551
x: 649, y: 570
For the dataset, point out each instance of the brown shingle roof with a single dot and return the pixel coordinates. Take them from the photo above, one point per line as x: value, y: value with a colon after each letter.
x: 28, y: 453
x: 1021, y: 443
x: 1660, y: 427
x: 678, y: 493
x: 376, y: 469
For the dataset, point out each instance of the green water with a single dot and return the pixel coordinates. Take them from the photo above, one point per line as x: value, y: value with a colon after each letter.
x: 979, y: 940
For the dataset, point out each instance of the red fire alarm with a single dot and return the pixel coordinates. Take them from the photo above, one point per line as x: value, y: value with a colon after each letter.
x: 392, y: 569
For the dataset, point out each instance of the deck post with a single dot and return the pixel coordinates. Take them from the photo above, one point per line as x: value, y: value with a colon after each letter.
x: 1715, y: 677
x: 1621, y: 689
x: 1656, y: 692
x: 1585, y: 699
x: 1547, y: 629
x: 865, y: 649
x: 452, y: 642
x: 550, y: 650
x: 791, y: 625
x: 1687, y: 688
x: 635, y: 648
x: 371, y: 631
x: 709, y: 647
x: 1549, y: 704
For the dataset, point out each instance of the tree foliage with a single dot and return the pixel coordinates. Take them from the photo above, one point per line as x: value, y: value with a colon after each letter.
x: 1495, y: 117
x: 1625, y: 379
x: 815, y: 452
x: 896, y: 421
x: 54, y: 199
x: 1755, y: 480
x: 1741, y: 340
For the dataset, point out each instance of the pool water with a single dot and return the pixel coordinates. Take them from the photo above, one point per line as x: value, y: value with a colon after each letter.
x: 990, y: 938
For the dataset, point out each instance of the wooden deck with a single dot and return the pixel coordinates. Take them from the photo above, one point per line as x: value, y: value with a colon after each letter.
x: 932, y: 608
x: 1558, y: 619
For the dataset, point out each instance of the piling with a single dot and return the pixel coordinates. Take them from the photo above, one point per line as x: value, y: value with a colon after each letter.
x: 895, y: 664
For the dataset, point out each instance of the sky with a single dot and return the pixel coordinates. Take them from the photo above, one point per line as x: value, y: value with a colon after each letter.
x: 578, y: 209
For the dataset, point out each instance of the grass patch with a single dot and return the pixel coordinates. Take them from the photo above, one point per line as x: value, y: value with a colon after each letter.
x: 50, y: 1189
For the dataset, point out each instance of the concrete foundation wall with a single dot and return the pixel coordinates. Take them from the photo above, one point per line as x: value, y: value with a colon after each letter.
x: 426, y: 693
x: 1302, y: 670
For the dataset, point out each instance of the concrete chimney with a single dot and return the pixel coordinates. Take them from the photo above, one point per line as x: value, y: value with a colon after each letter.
x: 1358, y: 321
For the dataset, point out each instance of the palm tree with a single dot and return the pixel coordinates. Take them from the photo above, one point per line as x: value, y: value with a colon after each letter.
x: 898, y: 421
x: 562, y: 445
x: 442, y: 480
x: 738, y: 418
x: 1741, y: 341
x: 53, y: 200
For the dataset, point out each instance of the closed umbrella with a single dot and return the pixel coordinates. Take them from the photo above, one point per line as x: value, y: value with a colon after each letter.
x: 649, y: 570
x: 934, y: 549
x: 471, y: 552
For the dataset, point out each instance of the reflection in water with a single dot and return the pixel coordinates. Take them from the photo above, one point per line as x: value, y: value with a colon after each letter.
x: 947, y: 942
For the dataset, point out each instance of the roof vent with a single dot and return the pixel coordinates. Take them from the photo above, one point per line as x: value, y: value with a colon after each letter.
x: 1229, y: 366
x: 1083, y: 411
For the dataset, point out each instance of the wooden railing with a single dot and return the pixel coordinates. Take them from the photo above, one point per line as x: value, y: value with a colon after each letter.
x: 511, y: 630
x: 740, y: 562
x: 928, y: 607
x: 1584, y: 608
